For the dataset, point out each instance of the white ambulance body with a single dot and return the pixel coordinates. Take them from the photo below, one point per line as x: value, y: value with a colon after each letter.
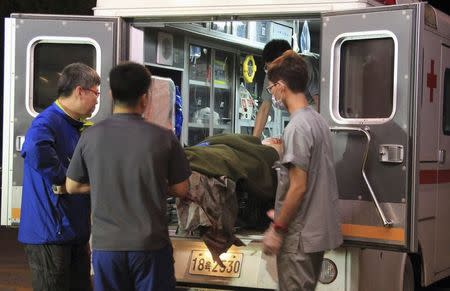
x: 385, y: 91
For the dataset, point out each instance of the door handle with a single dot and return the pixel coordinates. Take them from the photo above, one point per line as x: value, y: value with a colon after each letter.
x: 441, y: 156
x: 386, y: 222
x: 20, y: 139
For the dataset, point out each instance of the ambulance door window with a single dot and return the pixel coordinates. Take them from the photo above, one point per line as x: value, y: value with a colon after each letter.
x: 48, y: 61
x: 446, y: 111
x: 366, y: 78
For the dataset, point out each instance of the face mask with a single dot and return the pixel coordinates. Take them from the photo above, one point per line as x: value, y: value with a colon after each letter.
x: 278, y: 104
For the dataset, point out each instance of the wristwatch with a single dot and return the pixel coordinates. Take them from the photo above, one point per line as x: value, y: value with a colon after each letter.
x: 59, y: 189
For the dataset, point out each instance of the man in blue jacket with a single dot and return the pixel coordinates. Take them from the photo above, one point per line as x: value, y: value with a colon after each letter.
x: 55, y: 229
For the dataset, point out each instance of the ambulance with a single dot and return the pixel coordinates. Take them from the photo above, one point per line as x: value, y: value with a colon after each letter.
x: 384, y: 89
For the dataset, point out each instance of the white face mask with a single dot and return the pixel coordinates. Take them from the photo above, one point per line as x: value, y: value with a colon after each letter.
x: 278, y: 104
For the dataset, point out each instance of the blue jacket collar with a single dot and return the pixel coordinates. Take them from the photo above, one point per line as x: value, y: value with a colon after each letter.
x: 76, y: 123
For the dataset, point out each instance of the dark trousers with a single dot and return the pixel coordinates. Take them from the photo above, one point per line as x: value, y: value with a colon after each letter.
x: 134, y: 270
x: 59, y: 267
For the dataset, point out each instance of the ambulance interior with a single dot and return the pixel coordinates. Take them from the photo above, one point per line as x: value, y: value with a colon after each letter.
x: 219, y: 65
x: 192, y: 54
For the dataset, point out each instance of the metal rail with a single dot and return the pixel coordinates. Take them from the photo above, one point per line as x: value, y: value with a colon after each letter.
x: 386, y: 222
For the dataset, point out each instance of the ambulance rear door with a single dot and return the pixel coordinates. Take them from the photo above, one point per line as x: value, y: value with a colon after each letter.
x: 37, y: 47
x: 368, y: 97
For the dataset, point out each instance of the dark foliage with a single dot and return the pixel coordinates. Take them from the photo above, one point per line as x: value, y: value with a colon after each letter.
x: 83, y: 7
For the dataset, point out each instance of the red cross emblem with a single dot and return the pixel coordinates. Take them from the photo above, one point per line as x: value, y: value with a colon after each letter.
x: 431, y: 80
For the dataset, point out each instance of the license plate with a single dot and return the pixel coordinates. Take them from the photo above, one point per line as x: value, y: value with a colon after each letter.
x: 201, y: 263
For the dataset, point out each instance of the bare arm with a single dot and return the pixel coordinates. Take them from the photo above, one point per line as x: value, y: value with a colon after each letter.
x: 294, y: 196
x: 179, y: 190
x: 316, y: 101
x: 261, y: 118
x: 74, y: 187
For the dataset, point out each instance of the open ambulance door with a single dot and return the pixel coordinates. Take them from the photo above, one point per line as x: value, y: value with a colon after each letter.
x: 367, y: 96
x: 37, y: 47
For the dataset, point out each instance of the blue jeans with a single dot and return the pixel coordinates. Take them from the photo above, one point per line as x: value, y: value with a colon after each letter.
x: 134, y: 270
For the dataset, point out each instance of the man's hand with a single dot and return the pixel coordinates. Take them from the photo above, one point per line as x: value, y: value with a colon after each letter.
x: 272, y: 241
x: 271, y: 214
x: 180, y: 190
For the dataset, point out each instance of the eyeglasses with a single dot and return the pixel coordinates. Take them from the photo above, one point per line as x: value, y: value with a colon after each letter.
x: 269, y: 88
x: 97, y: 93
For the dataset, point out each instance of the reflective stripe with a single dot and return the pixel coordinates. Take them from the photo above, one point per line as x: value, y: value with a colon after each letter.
x: 374, y: 232
x: 15, y: 213
x: 434, y: 176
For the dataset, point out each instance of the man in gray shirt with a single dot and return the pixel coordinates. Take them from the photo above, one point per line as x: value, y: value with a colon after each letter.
x: 130, y: 166
x: 306, y: 220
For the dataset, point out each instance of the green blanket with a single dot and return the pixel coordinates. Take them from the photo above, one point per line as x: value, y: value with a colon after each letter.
x: 239, y: 157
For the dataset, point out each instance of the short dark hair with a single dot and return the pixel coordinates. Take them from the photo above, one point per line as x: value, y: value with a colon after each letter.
x: 274, y: 48
x: 76, y: 74
x: 129, y: 81
x: 291, y: 69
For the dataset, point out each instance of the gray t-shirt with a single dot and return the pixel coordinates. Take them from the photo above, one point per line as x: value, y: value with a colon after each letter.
x: 129, y: 164
x: 312, y: 87
x: 307, y: 145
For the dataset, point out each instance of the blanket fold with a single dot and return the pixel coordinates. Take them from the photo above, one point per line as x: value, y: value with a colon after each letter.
x: 242, y: 158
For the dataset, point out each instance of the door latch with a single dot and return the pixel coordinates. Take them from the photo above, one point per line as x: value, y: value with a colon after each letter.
x: 441, y: 156
x: 391, y: 153
x: 20, y: 139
